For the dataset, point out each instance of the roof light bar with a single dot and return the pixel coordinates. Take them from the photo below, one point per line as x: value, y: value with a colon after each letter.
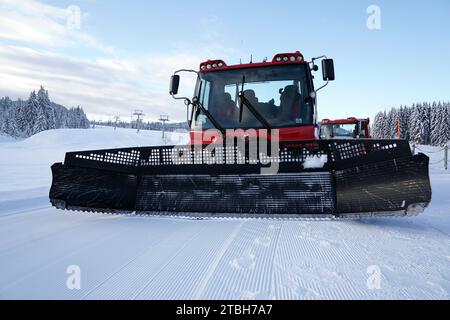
x: 211, y: 65
x: 295, y: 57
x: 281, y: 58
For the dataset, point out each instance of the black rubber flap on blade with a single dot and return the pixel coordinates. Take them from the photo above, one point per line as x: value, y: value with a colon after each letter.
x: 91, y: 188
x: 383, y: 186
x: 295, y: 193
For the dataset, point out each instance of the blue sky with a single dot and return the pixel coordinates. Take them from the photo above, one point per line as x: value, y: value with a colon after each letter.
x: 122, y: 55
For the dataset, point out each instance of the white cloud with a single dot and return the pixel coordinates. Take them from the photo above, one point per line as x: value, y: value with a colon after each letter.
x: 32, y: 22
x: 104, y: 86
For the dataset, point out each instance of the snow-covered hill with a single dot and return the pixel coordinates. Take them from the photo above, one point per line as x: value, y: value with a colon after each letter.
x: 26, y: 163
x: 156, y: 258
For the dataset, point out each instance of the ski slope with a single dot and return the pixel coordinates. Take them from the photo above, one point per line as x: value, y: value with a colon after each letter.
x: 129, y: 257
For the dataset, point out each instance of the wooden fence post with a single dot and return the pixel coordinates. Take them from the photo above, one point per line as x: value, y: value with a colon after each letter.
x: 446, y: 157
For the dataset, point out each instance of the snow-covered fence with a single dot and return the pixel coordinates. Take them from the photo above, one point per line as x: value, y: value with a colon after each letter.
x: 438, y: 156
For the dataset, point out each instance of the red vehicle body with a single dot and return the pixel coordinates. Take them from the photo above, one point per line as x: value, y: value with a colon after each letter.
x: 285, y: 133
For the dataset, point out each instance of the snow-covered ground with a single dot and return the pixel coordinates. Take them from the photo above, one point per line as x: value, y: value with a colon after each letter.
x: 157, y: 258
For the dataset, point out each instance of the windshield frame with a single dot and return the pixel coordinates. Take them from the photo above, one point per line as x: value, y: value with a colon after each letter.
x: 309, y: 102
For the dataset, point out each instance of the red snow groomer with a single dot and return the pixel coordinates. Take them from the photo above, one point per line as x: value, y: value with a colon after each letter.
x: 255, y: 151
x: 350, y: 128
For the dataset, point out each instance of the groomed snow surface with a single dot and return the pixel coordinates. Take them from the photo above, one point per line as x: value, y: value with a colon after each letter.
x: 129, y: 257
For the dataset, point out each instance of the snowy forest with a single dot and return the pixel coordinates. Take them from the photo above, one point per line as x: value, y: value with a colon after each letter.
x: 421, y: 123
x: 25, y: 118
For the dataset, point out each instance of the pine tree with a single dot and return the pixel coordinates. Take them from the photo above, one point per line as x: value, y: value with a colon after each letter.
x: 5, y: 115
x: 392, y: 121
x: 70, y: 119
x: 378, y: 126
x: 83, y: 120
x: 434, y: 123
x: 446, y: 134
x: 60, y: 115
x: 13, y: 123
x: 41, y: 122
x: 426, y: 119
x: 415, y: 125
x: 78, y: 117
x: 443, y: 127
x: 25, y: 116
x: 404, y: 122
x: 45, y: 111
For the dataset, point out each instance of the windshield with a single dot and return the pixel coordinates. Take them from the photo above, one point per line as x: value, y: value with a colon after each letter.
x: 338, y: 131
x: 276, y: 92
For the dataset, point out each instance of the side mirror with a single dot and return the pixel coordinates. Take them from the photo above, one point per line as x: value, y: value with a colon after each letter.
x: 174, y: 84
x: 328, y: 69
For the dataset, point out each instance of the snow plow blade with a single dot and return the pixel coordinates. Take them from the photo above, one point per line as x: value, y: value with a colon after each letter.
x: 327, y: 178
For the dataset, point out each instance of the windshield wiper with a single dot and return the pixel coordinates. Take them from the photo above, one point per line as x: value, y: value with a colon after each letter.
x: 209, y: 116
x: 244, y: 101
x: 196, y: 103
